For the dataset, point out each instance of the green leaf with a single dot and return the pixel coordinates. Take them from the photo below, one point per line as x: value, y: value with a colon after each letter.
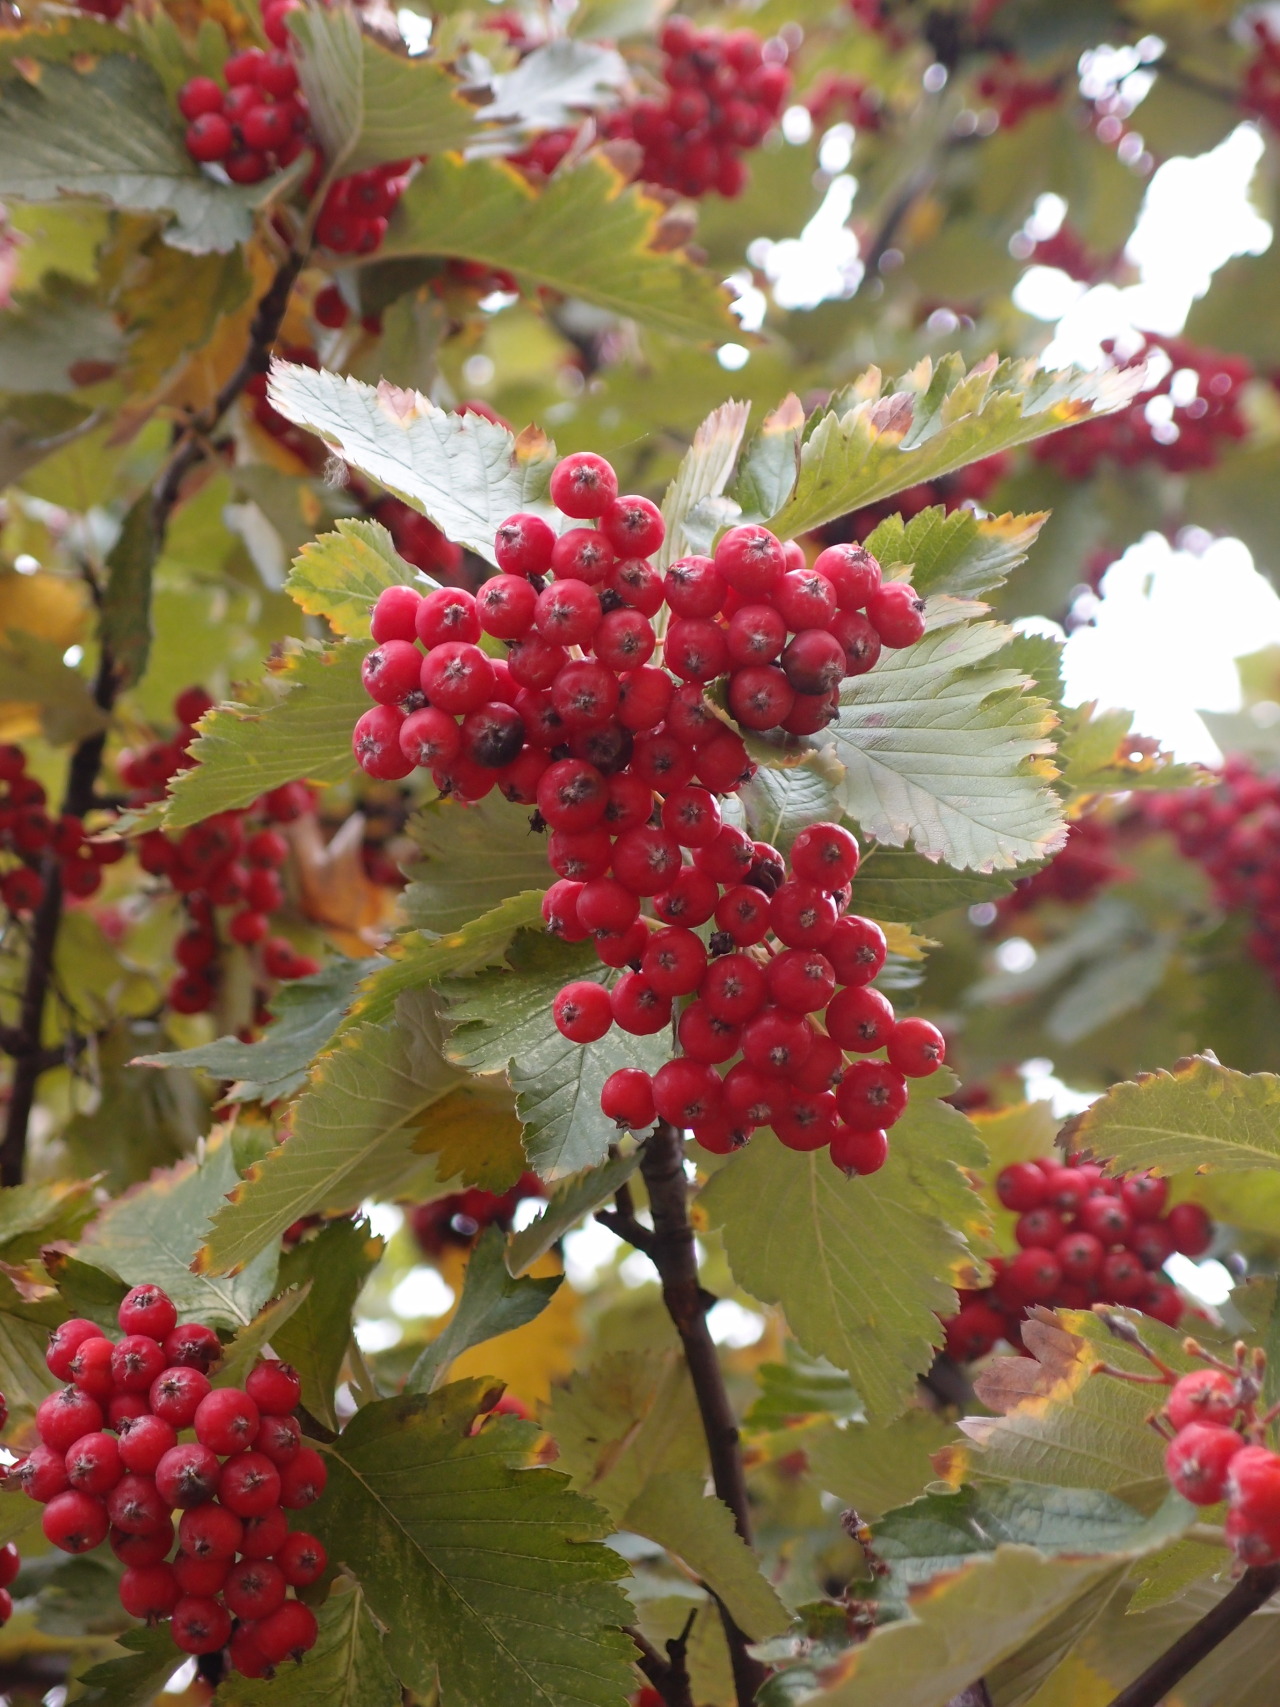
x: 1199, y: 1117
x: 423, y: 958
x: 672, y: 1510
x: 24, y: 1334
x: 242, y: 751
x: 33, y: 1215
x: 85, y: 1290
x: 45, y: 338
x: 962, y: 1626
x: 308, y: 1012
x: 340, y: 575
x: 768, y: 471
x: 331, y: 1267
x: 153, y: 1231
x: 65, y: 136
x: 246, y: 1348
x: 346, y: 1668
x: 54, y: 42
x: 628, y: 1417
x: 32, y: 673
x: 355, y: 1114
x: 894, y: 884
x: 32, y: 428
x: 938, y: 746
x: 937, y: 1533
x: 474, y: 857
x: 572, y: 1199
x: 585, y: 234
x: 556, y: 83
x: 803, y: 1386
x: 878, y: 440
x: 961, y: 553
x: 464, y: 472
x: 877, y: 1252
x: 781, y: 803
x: 689, y: 507
x: 137, y: 1678
x: 874, y: 1469
x: 126, y: 598
x: 502, y: 1022
x: 492, y: 1303
x: 370, y: 106
x: 485, y: 1573
x: 1099, y: 754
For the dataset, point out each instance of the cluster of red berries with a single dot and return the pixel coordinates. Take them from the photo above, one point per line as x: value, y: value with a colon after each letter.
x: 1083, y: 1238
x: 458, y: 1219
x: 1005, y: 87
x: 835, y: 96
x: 111, y: 1466
x: 231, y: 861
x: 1233, y: 832
x: 576, y: 721
x: 34, y: 844
x: 724, y: 94
x: 1084, y: 864
x: 259, y: 123
x: 783, y: 992
x: 1217, y: 1448
x: 1185, y: 431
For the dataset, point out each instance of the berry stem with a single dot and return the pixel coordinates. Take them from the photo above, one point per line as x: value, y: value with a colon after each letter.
x: 673, y: 1255
x: 1253, y: 1591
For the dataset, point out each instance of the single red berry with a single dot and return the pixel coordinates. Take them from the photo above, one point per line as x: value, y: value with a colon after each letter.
x: 633, y: 526
x: 135, y: 1505
x: 807, y: 1121
x: 289, y: 1630
x: 457, y: 677
x: 187, y: 1476
x: 1040, y: 1229
x: 916, y: 1048
x: 144, y: 1440
x: 265, y: 1534
x: 644, y: 695
x: 896, y: 612
x: 430, y: 738
x: 375, y: 741
x: 583, y: 554
x: 826, y: 855
x: 226, y: 1420
x: 200, y: 1576
x: 626, y: 1098
x: 1152, y: 1243
x: 852, y: 571
x: 1198, y: 1459
x: 734, y: 988
x: 210, y: 137
x: 802, y: 915
x: 1204, y: 1396
x: 1144, y: 1196
x: 582, y: 1011
x: 1080, y: 1254
x: 10, y: 1564
x: 871, y: 1094
x: 775, y: 1041
x: 141, y: 1549
x: 607, y: 905
x: 583, y: 486
x: 42, y: 1474
x: 637, y: 1007
x: 694, y: 587
x: 1122, y: 1278
x: 198, y: 96
x: 692, y: 816
x: 687, y: 1093
x: 506, y: 605
x: 200, y: 1625
x: 75, y: 1522
x: 254, y: 1588
x: 93, y: 1463
x: 302, y: 1559
x: 722, y: 763
x: 814, y: 662
x: 860, y: 1019
x: 760, y: 696
x: 751, y: 559
x: 646, y: 859
x: 581, y: 855
x: 210, y: 1532
x: 861, y: 1150
x: 278, y: 1438
x: 638, y: 584
x: 193, y: 1346
x: 859, y: 641
x: 492, y: 737
x: 801, y: 980
x: 523, y: 545
x: 136, y: 1361
x: 249, y: 1484
x: 149, y: 1591
x: 90, y: 1367
x: 974, y: 1328
x: 1105, y: 1217
x: 302, y: 1479
x: 1191, y: 1228
x: 584, y: 693
x: 572, y: 795
x: 274, y: 1387
x: 65, y: 1415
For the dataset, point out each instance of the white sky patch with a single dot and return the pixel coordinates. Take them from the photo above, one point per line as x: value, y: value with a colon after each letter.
x: 1196, y: 215
x: 733, y: 1325
x: 823, y: 263
x: 1041, y: 1084
x: 1168, y: 629
x: 421, y: 1293
x: 385, y: 1219
x: 1208, y: 1281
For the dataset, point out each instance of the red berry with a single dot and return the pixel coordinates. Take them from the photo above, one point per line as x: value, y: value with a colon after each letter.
x: 859, y: 641
x: 10, y: 1564
x: 805, y: 599
x: 626, y: 1098
x: 457, y: 677
x: 1144, y: 1196
x: 226, y: 1420
x: 200, y: 1625
x: 1105, y: 1217
x: 245, y: 165
x: 560, y: 911
x: 871, y: 1094
x: 814, y: 662
x: 144, y: 1440
x: 1080, y: 1254
x: 801, y: 980
x: 760, y: 696
x: 1191, y: 1228
x: 974, y: 1328
x: 1122, y: 1279
x: 644, y: 695
x: 806, y: 1121
x: 302, y: 1559
x: 210, y: 137
x: 638, y: 584
x: 584, y: 693
x: 141, y: 1549
x: 136, y: 1361
x: 210, y: 1532
x: 187, y: 1476
x: 692, y: 816
x: 375, y: 741
x: 278, y: 1438
x: 646, y: 859
x: 303, y: 1478
x: 1204, y: 1396
x: 606, y: 905
x: 860, y: 1019
x: 583, y: 486
x: 243, y: 68
x: 65, y: 1415
x: 674, y: 961
x: 775, y: 1041
x: 254, y: 1588
x: 148, y: 1591
x: 75, y: 1522
x: 637, y: 1007
x: 200, y: 1576
x: 506, y: 605
x: 633, y: 526
x: 916, y: 1048
x: 1198, y: 1459
x: 264, y: 1535
x: 93, y: 1464
x: 734, y: 988
x: 135, y: 1505
x: 583, y: 554
x: 751, y: 559
x: 694, y: 587
x: 193, y: 1346
x: 41, y: 1474
x: 198, y: 96
x: 274, y: 1387
x: 687, y: 1093
x: 1039, y: 1229
x: 572, y: 795
x: 523, y: 545
x: 863, y: 1150
x: 430, y: 738
x: 289, y: 1630
x: 721, y: 764
x: 897, y: 614
x: 249, y: 1484
x: 90, y: 1367
x: 852, y: 571
x: 582, y: 1011
x: 579, y: 854
x: 802, y: 915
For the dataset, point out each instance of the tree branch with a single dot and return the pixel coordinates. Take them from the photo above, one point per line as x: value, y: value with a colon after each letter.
x: 670, y: 1676
x: 23, y: 1042
x: 622, y: 1221
x: 1254, y: 1590
x: 674, y: 1257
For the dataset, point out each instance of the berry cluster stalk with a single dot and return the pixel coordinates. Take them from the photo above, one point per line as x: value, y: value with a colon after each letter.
x: 1249, y: 1595
x: 23, y: 1045
x: 672, y: 1252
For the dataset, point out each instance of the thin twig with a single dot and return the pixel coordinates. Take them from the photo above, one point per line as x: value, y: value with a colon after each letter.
x: 669, y: 1676
x: 675, y: 1258
x: 622, y: 1221
x: 1254, y: 1590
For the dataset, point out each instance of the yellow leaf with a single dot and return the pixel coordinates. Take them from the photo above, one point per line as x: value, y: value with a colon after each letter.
x: 46, y: 605
x: 474, y: 1129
